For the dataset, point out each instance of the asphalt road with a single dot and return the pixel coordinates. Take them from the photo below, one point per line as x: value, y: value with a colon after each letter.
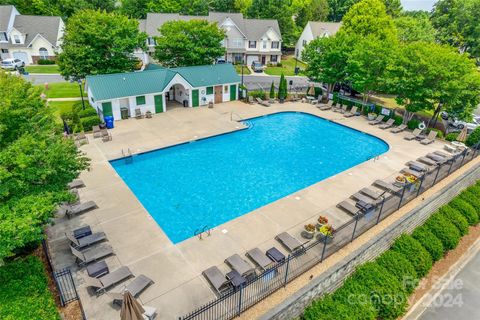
x: 257, y: 82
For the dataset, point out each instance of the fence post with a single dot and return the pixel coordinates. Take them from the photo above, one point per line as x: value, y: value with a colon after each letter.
x: 401, y: 197
x: 464, y: 155
x: 436, y: 176
x: 355, y: 227
x: 286, y: 271
x: 324, y: 247
x: 381, y: 209
x: 420, y: 186
x: 240, y: 301
x: 451, y: 165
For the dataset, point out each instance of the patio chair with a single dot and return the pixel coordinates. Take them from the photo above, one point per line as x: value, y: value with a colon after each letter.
x: 85, y: 241
x: 438, y: 159
x: 259, y: 258
x: 375, y: 193
x: 351, y: 113
x: 96, y: 132
x: 138, y: 114
x: 398, y: 129
x: 292, y: 244
x: 135, y: 287
x: 262, y: 102
x: 91, y: 255
x: 338, y: 107
x: 378, y: 120
x: 75, y: 184
x: 348, y: 207
x: 80, y: 208
x: 413, y: 135
x: 217, y: 280
x: 326, y: 106
x: 427, y: 161
x: 250, y: 100
x: 430, y: 138
x: 240, y: 265
x: 387, y: 186
x: 108, y: 280
x: 387, y: 124
x: 361, y: 197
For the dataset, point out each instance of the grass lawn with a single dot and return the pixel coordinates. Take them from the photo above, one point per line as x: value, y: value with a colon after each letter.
x: 62, y: 90
x: 42, y: 69
x: 60, y: 107
x: 238, y: 68
x: 389, y: 101
x: 287, y: 68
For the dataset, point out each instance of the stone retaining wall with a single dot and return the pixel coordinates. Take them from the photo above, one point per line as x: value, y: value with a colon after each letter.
x: 293, y: 306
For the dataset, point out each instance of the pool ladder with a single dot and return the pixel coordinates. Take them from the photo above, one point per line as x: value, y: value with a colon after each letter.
x: 127, y: 154
x: 198, y: 233
x: 236, y: 114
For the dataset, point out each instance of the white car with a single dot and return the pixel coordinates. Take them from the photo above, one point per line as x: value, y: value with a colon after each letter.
x: 459, y: 124
x: 12, y: 64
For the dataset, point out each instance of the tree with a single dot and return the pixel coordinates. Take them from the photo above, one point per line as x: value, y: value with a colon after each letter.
x: 415, y: 28
x: 223, y: 6
x: 311, y: 10
x: 282, y: 88
x: 36, y: 163
x: 63, y: 8
x: 135, y: 8
x: 326, y: 60
x: 457, y: 24
x: 394, y: 7
x: 187, y: 43
x: 338, y: 8
x: 272, y: 91
x: 429, y: 76
x: 98, y: 42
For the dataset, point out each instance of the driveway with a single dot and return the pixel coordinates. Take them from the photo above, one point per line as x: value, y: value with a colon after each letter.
x: 263, y: 81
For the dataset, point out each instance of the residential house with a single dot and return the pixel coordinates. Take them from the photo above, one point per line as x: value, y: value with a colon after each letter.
x: 245, y: 40
x: 159, y: 89
x: 314, y: 30
x: 29, y: 38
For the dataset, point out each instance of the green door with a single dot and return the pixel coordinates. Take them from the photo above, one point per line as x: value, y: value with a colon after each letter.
x: 233, y: 92
x: 107, y: 109
x: 158, y: 103
x: 195, y: 98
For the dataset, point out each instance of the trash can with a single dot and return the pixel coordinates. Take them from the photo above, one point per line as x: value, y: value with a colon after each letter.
x: 124, y: 113
x: 185, y: 103
x: 108, y: 121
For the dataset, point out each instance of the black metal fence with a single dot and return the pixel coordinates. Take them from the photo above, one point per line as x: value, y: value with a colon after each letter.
x: 65, y: 286
x: 235, y: 302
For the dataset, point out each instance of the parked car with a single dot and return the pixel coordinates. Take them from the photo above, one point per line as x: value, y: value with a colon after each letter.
x: 460, y: 124
x: 220, y: 61
x: 12, y: 64
x: 257, y: 66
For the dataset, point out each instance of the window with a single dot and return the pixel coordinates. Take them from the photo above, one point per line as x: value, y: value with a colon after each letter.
x: 43, y: 53
x: 225, y: 89
x: 275, y: 44
x: 237, y: 43
x: 264, y: 44
x: 304, y: 43
x: 16, y: 38
x: 4, y: 50
x: 252, y: 44
x: 209, y: 90
x: 140, y: 100
x: 238, y: 57
x: 274, y: 58
x: 3, y: 37
x: 150, y: 41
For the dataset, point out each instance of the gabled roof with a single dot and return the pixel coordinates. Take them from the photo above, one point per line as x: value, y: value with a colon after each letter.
x: 5, y: 13
x: 321, y: 29
x: 46, y: 26
x: 156, y: 78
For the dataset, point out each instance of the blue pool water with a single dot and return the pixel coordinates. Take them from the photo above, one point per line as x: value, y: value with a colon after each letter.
x: 211, y: 181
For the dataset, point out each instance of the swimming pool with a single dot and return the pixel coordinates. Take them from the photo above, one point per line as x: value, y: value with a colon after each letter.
x: 214, y: 180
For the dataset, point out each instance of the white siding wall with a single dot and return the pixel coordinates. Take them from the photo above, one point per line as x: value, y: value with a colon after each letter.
x: 307, y: 36
x: 204, y: 97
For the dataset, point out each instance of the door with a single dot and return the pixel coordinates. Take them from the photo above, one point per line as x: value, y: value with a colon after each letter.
x: 233, y: 92
x: 158, y: 100
x: 264, y: 60
x: 195, y: 98
x: 218, y: 94
x: 107, y: 109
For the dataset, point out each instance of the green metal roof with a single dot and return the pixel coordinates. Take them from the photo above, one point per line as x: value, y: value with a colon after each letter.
x: 156, y: 78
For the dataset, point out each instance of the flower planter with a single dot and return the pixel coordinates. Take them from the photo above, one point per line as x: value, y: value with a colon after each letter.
x: 322, y: 237
x: 308, y: 234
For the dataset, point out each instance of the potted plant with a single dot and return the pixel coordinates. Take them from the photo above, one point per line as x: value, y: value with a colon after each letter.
x: 371, y: 116
x: 322, y: 220
x: 326, y: 233
x: 309, y: 232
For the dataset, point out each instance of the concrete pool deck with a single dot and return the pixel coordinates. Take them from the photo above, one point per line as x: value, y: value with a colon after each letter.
x: 140, y: 244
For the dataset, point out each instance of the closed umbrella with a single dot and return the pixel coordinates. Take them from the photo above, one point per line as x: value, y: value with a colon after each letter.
x: 66, y: 128
x: 131, y: 309
x: 311, y: 90
x: 462, y: 136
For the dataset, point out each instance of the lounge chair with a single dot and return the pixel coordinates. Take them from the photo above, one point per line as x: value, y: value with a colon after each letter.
x: 75, y: 184
x: 80, y: 208
x: 240, y: 265
x: 375, y: 193
x: 91, y: 255
x: 338, y: 108
x: 387, y: 186
x: 96, y: 132
x: 378, y: 120
x: 318, y: 101
x: 262, y: 102
x: 438, y: 159
x: 387, y: 124
x: 108, y: 280
x: 138, y: 114
x: 351, y: 113
x: 85, y: 241
x: 427, y: 161
x: 343, y: 109
x: 398, y: 129
x: 415, y: 165
x: 326, y: 106
x: 291, y: 243
x: 259, y: 258
x: 135, y: 287
x: 430, y: 138
x: 413, y: 172
x: 361, y: 197
x: 217, y: 280
x: 413, y: 135
x: 348, y: 207
x: 250, y: 100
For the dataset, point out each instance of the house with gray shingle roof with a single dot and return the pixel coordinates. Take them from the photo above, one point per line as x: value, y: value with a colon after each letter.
x: 246, y: 40
x: 29, y: 38
x: 314, y: 30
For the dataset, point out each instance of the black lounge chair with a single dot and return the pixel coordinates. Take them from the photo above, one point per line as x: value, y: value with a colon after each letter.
x: 240, y: 265
x: 217, y: 280
x: 387, y: 186
x: 80, y: 208
x: 135, y: 287
x: 91, y: 255
x: 260, y: 259
x: 292, y: 244
x: 349, y: 207
x: 427, y: 161
x: 108, y: 280
x: 361, y: 197
x: 275, y: 254
x: 376, y: 193
x: 85, y: 241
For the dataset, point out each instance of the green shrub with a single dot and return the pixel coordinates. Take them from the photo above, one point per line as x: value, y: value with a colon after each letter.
x: 88, y: 112
x: 471, y: 198
x: 414, y: 252
x: 67, y: 115
x: 439, y: 132
x: 473, y: 138
x: 428, y: 240
x: 257, y: 94
x: 45, y: 62
x: 24, y: 292
x: 328, y: 308
x: 413, y: 124
x: 383, y: 289
x: 89, y: 122
x: 444, y: 230
x: 456, y: 218
x: 399, y: 266
x: 352, y: 294
x: 452, y: 136
x: 398, y: 120
x: 465, y: 209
